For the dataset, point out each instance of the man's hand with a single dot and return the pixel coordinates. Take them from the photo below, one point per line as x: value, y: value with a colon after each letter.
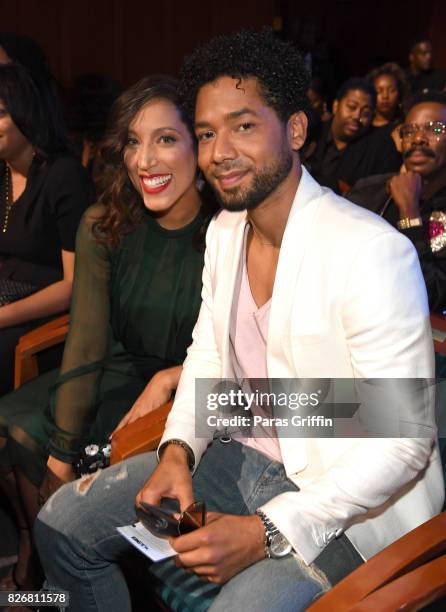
x: 172, y: 478
x: 405, y: 190
x: 223, y: 548
x: 58, y: 473
x: 157, y: 392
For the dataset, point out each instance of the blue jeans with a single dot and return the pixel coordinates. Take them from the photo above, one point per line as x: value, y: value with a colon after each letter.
x: 80, y: 547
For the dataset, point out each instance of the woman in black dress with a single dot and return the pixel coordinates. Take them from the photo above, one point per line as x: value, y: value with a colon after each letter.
x: 43, y: 193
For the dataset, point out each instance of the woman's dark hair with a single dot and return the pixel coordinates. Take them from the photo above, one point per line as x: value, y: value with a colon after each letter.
x: 396, y: 72
x: 33, y: 114
x: 28, y: 53
x: 123, y: 204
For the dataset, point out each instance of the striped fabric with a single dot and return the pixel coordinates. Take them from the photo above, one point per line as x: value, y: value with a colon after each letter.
x: 182, y: 591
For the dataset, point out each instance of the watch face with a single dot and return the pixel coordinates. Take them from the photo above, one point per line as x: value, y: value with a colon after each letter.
x: 279, y: 547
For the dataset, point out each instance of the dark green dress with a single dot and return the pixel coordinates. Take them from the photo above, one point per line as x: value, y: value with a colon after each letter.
x: 133, y: 311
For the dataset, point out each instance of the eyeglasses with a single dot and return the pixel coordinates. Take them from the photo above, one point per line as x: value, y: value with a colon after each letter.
x: 162, y: 522
x: 431, y: 129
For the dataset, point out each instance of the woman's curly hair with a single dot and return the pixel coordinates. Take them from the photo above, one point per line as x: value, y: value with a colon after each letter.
x: 277, y: 66
x: 124, y: 207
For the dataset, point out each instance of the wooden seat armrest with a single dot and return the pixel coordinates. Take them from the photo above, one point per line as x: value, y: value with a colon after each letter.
x: 43, y: 337
x: 438, y: 323
x: 413, y: 591
x: 420, y: 546
x: 42, y: 330
x: 141, y: 436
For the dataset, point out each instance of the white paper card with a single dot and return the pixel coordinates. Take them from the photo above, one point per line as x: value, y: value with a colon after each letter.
x: 155, y: 548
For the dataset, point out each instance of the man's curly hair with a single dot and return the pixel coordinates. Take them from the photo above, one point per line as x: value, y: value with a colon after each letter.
x: 277, y: 65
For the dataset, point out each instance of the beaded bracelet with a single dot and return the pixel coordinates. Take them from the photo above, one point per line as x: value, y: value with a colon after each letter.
x: 184, y: 446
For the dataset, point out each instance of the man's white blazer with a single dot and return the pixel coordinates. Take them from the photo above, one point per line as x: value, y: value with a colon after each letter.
x: 349, y: 300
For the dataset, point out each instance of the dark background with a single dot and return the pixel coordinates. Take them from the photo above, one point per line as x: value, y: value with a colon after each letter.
x: 126, y: 39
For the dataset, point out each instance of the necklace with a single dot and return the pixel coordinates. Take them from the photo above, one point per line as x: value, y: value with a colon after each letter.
x: 8, y: 198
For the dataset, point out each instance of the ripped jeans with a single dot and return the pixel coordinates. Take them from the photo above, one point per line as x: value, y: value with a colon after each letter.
x: 80, y: 548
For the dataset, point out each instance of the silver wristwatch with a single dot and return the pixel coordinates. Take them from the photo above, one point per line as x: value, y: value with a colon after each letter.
x: 276, y: 544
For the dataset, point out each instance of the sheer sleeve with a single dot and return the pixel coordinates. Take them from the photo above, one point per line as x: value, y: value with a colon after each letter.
x: 74, y: 398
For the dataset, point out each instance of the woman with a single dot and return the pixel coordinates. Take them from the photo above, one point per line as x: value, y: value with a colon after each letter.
x: 43, y: 193
x: 391, y: 88
x: 136, y: 293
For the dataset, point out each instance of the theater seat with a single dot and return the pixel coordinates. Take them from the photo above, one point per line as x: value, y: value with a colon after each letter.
x: 32, y: 343
x: 407, y: 575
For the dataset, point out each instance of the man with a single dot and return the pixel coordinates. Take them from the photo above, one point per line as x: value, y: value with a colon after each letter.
x: 414, y: 200
x: 420, y: 74
x: 346, y: 150
x: 291, y: 288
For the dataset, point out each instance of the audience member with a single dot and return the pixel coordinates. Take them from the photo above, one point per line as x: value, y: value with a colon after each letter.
x: 318, y: 98
x: 352, y: 116
x: 415, y: 199
x: 326, y: 282
x: 391, y: 89
x: 90, y: 101
x: 347, y: 150
x: 44, y: 192
x: 135, y: 301
x: 420, y: 74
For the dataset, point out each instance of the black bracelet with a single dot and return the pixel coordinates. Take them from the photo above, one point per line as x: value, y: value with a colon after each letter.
x: 184, y: 446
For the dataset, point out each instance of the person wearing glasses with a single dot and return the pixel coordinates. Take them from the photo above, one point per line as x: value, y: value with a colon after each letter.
x: 414, y: 200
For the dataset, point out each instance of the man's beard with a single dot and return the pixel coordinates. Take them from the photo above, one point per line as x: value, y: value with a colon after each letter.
x: 263, y: 184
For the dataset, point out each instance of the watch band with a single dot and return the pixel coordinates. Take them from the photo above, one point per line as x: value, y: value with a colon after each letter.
x: 406, y: 223
x: 270, y: 531
x: 184, y: 446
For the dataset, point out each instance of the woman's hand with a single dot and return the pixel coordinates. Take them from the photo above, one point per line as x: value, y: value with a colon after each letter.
x: 58, y: 473
x: 158, y: 391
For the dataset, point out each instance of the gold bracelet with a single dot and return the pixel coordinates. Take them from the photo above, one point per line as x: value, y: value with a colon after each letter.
x: 406, y: 223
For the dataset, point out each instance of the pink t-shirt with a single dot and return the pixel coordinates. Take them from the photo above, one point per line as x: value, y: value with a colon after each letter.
x: 248, y: 337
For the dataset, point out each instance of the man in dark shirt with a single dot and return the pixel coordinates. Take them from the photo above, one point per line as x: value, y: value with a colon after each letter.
x: 347, y: 150
x: 420, y: 75
x: 415, y: 199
